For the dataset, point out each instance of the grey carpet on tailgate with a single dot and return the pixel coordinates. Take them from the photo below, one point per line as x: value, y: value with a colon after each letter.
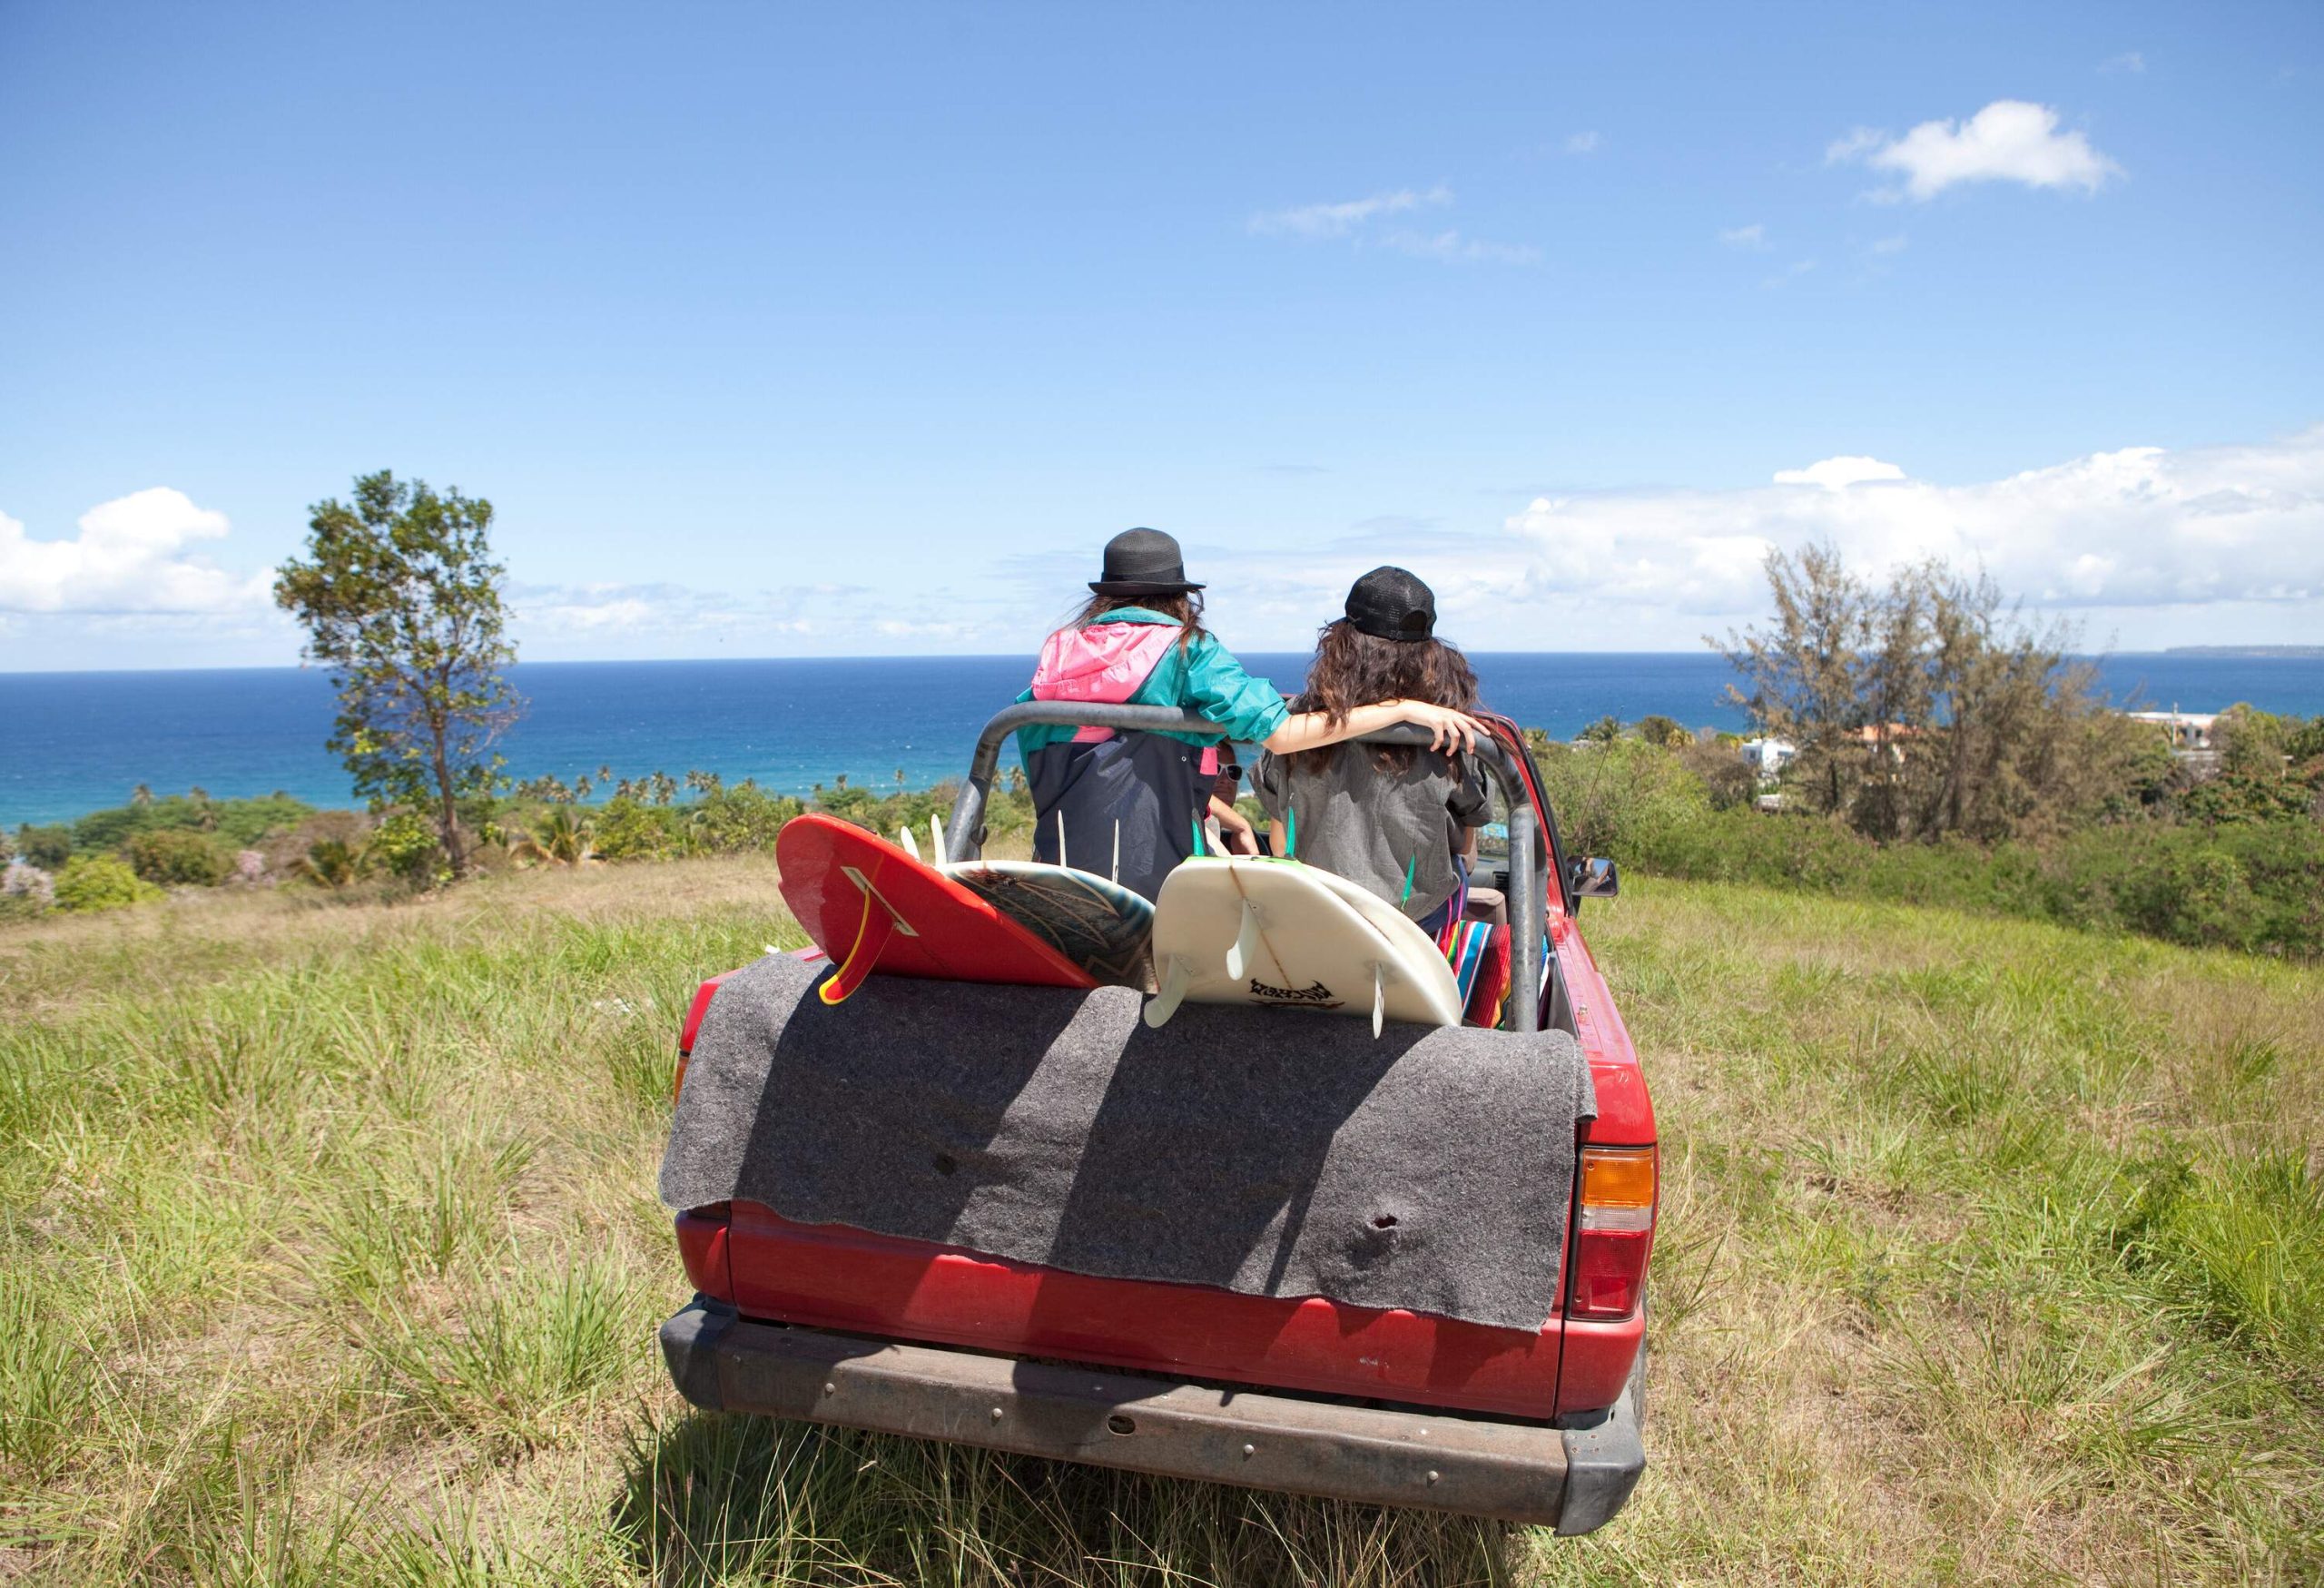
x: 1270, y: 1151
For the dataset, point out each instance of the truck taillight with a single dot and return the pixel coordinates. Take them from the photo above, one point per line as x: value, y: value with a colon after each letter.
x: 692, y: 1029
x: 1613, y: 1228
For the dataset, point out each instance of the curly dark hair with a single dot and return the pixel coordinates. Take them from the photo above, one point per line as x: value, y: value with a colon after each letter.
x: 1185, y: 608
x: 1353, y: 668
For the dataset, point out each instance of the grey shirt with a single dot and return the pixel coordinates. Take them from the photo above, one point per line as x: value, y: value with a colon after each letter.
x: 1368, y: 823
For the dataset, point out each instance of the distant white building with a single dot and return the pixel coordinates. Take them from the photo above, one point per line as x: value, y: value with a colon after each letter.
x: 2189, y: 731
x: 1768, y: 757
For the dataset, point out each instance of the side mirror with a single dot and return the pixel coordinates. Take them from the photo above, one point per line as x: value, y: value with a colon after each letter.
x: 1596, y: 878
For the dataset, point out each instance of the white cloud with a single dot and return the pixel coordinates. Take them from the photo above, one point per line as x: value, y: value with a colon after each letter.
x: 1352, y: 221
x: 1790, y: 272
x: 1583, y: 144
x: 2145, y: 526
x: 2129, y: 61
x: 1455, y: 249
x: 1888, y: 245
x: 1340, y: 219
x: 594, y: 616
x: 552, y: 621
x: 2011, y: 140
x: 1754, y: 235
x: 132, y: 555
x: 1839, y: 473
x: 1857, y: 142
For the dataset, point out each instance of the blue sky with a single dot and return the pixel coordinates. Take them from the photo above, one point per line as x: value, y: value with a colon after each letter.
x: 774, y: 332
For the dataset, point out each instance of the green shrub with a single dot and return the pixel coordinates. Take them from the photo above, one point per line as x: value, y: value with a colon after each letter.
x: 405, y: 845
x: 1622, y: 797
x: 46, y: 847
x: 728, y: 820
x: 329, y: 862
x: 237, y: 823
x: 629, y: 830
x: 175, y: 858
x: 2252, y: 879
x: 99, y: 882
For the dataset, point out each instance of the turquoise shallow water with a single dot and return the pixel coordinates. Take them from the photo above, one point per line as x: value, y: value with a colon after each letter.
x: 73, y: 742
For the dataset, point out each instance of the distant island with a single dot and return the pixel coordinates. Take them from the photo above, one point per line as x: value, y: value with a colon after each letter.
x: 2304, y: 653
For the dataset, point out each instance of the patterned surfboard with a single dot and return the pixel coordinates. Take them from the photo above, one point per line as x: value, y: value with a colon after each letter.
x: 1099, y: 925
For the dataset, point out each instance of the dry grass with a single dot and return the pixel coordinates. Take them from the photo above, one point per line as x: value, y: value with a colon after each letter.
x: 1989, y: 1253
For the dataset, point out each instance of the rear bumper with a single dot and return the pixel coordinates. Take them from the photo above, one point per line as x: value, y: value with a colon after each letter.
x: 1574, y: 1479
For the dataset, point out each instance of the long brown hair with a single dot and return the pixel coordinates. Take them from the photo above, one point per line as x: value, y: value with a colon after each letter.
x: 1186, y: 607
x: 1353, y: 668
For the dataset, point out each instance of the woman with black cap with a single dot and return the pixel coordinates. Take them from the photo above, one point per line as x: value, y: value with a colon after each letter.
x: 1395, y: 819
x: 1132, y: 804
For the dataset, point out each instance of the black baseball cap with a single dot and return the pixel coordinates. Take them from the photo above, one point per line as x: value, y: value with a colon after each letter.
x: 1391, y: 603
x: 1143, y: 562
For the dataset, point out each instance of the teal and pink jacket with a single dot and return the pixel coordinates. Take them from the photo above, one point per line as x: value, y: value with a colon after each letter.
x: 1130, y: 805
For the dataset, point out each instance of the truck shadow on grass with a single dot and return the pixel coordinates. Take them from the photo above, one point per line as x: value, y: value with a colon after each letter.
x: 710, y: 1498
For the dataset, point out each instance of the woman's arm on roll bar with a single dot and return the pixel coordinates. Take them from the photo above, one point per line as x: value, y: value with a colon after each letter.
x: 1312, y: 730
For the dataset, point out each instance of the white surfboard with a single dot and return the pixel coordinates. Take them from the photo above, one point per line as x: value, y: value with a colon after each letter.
x: 1239, y: 929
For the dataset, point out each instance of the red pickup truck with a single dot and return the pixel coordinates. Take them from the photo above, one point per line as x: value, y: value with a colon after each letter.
x: 1295, y: 1392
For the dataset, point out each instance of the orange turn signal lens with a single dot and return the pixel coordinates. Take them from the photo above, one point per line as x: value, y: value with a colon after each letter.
x: 1617, y: 1188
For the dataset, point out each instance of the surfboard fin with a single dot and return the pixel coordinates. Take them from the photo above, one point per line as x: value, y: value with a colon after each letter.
x: 936, y: 832
x: 1117, y: 874
x: 1176, y: 979
x: 907, y: 842
x: 1247, y: 942
x: 1379, y: 997
x: 870, y: 937
x: 1060, y: 840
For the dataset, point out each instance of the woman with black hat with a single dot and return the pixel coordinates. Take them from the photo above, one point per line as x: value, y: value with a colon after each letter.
x: 1132, y: 804
x: 1395, y: 819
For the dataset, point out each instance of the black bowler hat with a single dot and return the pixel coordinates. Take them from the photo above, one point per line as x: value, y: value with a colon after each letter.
x: 1143, y: 562
x: 1391, y: 603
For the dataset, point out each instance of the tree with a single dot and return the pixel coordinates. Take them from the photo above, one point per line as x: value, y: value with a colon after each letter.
x: 1802, y: 668
x: 175, y: 857
x: 1926, y: 706
x: 46, y: 847
x: 100, y: 881
x: 2252, y: 742
x: 333, y: 863
x: 1663, y: 732
x: 401, y: 600
x: 560, y: 838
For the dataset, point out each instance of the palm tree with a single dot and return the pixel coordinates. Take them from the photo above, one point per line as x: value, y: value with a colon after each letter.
x: 561, y: 839
x: 331, y: 862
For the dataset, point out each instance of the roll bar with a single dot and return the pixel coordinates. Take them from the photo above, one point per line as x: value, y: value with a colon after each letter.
x: 964, y: 834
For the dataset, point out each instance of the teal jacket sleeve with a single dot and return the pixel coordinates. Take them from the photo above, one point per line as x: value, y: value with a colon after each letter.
x: 1246, y: 707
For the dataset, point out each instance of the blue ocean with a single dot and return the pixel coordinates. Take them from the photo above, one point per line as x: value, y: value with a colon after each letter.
x: 73, y: 742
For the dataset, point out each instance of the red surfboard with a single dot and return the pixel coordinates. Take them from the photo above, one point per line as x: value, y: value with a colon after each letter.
x: 870, y: 907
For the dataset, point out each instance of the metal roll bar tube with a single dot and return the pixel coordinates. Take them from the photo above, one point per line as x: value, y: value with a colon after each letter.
x: 964, y: 833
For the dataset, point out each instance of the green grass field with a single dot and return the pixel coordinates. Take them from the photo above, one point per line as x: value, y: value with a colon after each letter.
x: 329, y: 1252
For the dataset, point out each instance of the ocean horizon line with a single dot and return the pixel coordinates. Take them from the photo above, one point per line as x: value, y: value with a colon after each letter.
x: 2252, y: 652
x: 82, y: 741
